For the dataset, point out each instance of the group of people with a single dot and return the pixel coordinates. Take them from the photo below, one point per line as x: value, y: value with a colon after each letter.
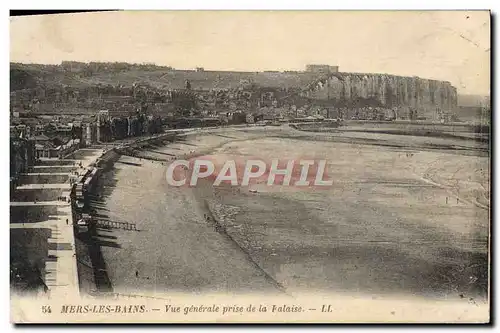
x: 63, y: 198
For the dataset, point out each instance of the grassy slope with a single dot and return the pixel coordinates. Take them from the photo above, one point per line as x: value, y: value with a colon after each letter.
x: 158, y: 78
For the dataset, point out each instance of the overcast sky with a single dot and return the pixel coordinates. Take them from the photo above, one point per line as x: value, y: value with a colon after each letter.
x: 450, y: 46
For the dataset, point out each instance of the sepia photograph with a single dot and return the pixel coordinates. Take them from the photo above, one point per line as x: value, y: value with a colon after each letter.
x: 250, y: 166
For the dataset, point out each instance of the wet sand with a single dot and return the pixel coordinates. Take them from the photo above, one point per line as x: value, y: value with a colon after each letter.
x: 386, y: 227
x: 381, y: 229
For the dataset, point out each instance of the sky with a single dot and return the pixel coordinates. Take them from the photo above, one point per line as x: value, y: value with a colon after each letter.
x: 452, y: 46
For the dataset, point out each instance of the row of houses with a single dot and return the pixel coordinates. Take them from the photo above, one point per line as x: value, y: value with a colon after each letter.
x: 42, y: 146
x: 109, y: 128
x: 46, y: 148
x: 22, y: 158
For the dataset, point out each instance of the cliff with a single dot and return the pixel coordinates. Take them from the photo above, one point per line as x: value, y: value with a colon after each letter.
x: 423, y: 95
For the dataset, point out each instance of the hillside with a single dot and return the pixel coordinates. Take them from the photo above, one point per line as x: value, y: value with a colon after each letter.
x: 23, y: 79
x: 28, y: 76
x: 202, y: 80
x: 25, y: 75
x: 107, y: 85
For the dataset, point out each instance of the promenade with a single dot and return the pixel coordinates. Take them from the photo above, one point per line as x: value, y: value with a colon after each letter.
x: 37, y: 211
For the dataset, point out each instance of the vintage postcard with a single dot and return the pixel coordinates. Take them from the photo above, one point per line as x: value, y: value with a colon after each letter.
x: 250, y: 167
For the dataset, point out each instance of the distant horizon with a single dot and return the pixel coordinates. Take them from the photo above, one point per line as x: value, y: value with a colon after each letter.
x: 450, y: 46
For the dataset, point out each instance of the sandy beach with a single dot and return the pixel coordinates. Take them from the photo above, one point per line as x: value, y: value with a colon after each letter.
x: 396, y: 221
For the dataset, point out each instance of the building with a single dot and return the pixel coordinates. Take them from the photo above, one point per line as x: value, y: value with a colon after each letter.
x: 67, y: 148
x: 41, y: 139
x: 103, y: 126
x: 316, y: 68
x: 22, y: 157
x: 90, y: 134
x: 77, y: 131
x: 119, y: 128
x: 20, y: 131
x: 73, y: 66
x: 103, y: 115
x: 45, y: 150
x: 24, y: 150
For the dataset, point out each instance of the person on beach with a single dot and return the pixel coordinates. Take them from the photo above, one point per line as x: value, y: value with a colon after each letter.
x: 136, y: 274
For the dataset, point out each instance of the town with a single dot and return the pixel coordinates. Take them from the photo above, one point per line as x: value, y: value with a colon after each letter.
x: 250, y: 166
x: 53, y: 120
x: 71, y: 122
